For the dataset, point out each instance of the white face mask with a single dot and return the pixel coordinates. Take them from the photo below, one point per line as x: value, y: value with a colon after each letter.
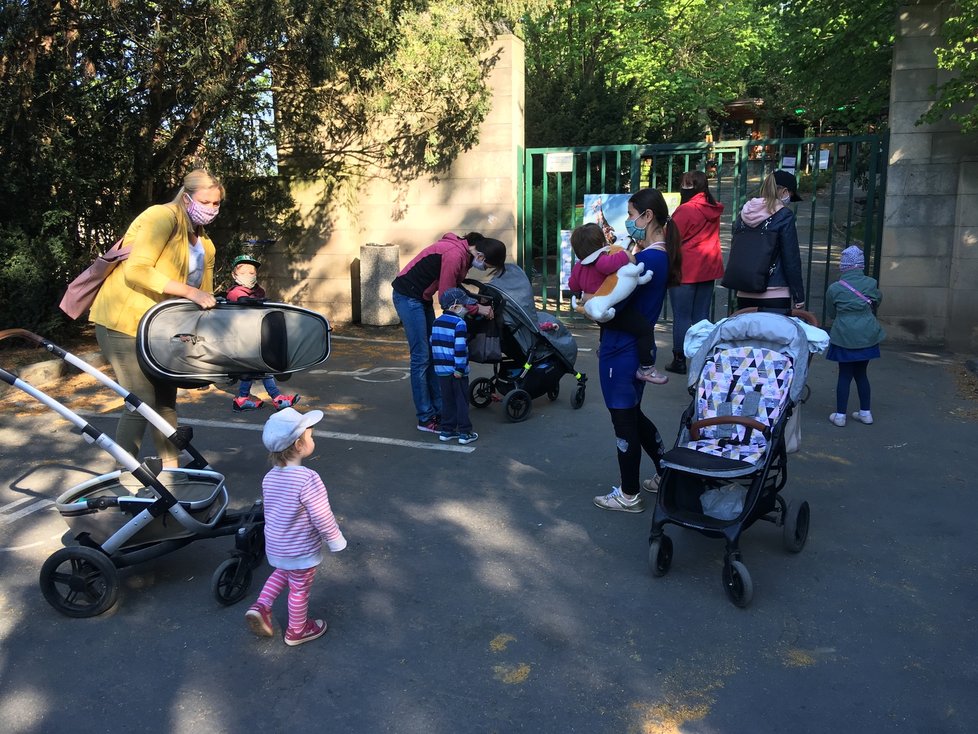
x: 248, y: 281
x: 786, y: 199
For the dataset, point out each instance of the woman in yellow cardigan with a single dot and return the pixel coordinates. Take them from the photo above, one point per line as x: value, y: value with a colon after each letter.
x: 171, y: 257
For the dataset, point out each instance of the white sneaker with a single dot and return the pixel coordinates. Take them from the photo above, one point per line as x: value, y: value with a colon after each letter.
x: 617, y: 501
x: 838, y: 419
x: 651, y: 485
x: 863, y: 416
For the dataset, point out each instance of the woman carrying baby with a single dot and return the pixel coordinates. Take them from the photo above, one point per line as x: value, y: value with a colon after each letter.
x: 596, y: 262
x: 650, y: 225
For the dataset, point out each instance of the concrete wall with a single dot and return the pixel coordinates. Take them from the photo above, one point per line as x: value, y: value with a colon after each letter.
x: 929, y: 262
x: 478, y: 193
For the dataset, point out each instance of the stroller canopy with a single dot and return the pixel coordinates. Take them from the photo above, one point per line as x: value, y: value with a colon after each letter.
x: 762, y: 329
x: 521, y: 317
x: 184, y: 345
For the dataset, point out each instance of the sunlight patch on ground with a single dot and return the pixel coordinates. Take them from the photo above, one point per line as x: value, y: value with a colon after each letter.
x: 511, y: 674
x: 500, y: 642
x: 22, y: 711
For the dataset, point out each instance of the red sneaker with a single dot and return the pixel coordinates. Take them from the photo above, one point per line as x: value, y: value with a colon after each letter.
x: 285, y: 401
x: 259, y: 620
x: 314, y: 629
x: 248, y: 402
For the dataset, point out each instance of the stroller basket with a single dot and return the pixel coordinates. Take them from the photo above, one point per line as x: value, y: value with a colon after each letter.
x: 184, y: 345
x: 201, y: 493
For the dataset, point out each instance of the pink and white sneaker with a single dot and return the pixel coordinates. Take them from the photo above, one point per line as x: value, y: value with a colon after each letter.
x: 314, y: 629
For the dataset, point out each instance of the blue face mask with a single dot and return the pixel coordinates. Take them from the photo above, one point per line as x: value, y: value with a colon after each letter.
x: 634, y: 231
x: 479, y: 263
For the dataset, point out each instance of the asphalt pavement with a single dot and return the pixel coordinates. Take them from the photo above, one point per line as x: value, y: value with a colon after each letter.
x: 482, y: 592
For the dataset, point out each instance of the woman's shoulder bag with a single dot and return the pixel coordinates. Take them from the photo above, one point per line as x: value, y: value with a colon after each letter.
x: 82, y: 290
x: 753, y: 253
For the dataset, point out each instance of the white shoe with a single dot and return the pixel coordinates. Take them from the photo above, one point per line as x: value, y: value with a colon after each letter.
x: 617, y: 501
x: 838, y: 419
x: 863, y: 416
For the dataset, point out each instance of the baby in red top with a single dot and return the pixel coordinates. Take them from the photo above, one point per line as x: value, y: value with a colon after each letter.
x: 596, y: 262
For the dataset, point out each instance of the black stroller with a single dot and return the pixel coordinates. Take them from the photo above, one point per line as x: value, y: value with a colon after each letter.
x: 530, y: 362
x: 143, y: 510
x: 729, y: 463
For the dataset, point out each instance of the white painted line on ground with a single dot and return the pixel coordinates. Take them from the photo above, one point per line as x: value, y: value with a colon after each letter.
x: 404, y: 342
x: 39, y: 505
x: 15, y: 548
x: 439, y: 446
x: 11, y: 505
x: 341, y: 436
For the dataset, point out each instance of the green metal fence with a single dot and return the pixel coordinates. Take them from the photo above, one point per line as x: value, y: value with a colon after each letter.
x: 841, y: 180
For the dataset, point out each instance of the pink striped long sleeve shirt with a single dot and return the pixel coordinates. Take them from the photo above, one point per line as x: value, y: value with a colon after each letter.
x: 297, y: 518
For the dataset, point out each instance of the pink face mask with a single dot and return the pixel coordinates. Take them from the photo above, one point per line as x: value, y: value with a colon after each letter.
x: 201, y: 214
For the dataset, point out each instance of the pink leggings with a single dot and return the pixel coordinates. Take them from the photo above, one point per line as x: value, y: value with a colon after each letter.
x: 298, y: 582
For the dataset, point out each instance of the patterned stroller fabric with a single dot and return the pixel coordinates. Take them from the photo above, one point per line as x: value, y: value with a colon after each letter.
x: 751, y: 382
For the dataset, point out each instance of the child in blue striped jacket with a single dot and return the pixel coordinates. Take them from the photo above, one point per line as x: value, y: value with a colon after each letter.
x: 450, y: 358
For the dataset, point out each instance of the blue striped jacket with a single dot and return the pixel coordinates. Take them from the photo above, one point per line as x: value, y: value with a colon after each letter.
x: 449, y: 348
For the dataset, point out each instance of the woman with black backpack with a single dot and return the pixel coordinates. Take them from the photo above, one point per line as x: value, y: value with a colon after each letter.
x: 785, y: 288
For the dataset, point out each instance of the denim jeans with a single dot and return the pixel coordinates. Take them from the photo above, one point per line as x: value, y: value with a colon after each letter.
x: 690, y: 304
x: 417, y: 316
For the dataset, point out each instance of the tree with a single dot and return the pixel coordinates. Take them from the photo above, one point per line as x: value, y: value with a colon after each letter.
x: 830, y: 61
x: 104, y: 104
x: 616, y: 71
x: 959, y: 56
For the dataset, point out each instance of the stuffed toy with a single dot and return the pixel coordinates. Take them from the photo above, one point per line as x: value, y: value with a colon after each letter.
x: 617, y: 287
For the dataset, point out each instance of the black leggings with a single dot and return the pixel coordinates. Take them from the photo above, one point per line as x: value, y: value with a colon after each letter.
x: 849, y: 371
x: 634, y: 432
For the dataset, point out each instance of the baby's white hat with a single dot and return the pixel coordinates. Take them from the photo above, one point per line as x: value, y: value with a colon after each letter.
x: 286, y: 426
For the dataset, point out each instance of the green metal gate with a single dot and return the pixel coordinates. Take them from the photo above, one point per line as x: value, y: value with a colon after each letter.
x: 841, y: 180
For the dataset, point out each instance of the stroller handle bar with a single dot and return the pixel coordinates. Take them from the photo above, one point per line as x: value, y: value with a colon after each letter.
x: 179, y: 437
x: 695, y: 426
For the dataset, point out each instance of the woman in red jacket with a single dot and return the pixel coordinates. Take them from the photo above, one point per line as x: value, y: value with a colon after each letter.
x: 698, y: 218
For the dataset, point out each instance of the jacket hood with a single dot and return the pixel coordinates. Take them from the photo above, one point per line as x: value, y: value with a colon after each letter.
x: 755, y: 211
x: 711, y: 212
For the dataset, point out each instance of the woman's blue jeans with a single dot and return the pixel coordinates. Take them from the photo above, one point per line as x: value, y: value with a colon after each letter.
x: 690, y: 304
x: 417, y: 316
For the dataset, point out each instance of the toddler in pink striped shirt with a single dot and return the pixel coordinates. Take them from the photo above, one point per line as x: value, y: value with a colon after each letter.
x: 297, y: 519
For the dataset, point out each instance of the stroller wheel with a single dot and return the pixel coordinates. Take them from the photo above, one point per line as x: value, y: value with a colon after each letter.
x: 660, y: 555
x: 517, y: 405
x: 231, y: 581
x: 480, y: 392
x: 795, y: 529
x: 79, y: 581
x: 737, y: 583
x: 554, y: 393
x: 577, y: 399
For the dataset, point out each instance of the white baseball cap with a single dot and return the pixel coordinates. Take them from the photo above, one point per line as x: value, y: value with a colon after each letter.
x: 285, y: 427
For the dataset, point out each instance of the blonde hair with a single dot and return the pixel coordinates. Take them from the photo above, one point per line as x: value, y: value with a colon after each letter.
x: 769, y: 192
x: 197, y: 180
x: 281, y: 458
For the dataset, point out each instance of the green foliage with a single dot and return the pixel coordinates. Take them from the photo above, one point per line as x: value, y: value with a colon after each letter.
x: 832, y: 59
x: 610, y: 71
x: 105, y: 104
x: 959, y: 56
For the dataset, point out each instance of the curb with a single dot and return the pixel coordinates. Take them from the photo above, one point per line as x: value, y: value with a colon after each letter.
x: 41, y: 373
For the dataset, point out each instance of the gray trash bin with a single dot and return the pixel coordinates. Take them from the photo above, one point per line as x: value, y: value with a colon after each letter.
x: 379, y: 265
